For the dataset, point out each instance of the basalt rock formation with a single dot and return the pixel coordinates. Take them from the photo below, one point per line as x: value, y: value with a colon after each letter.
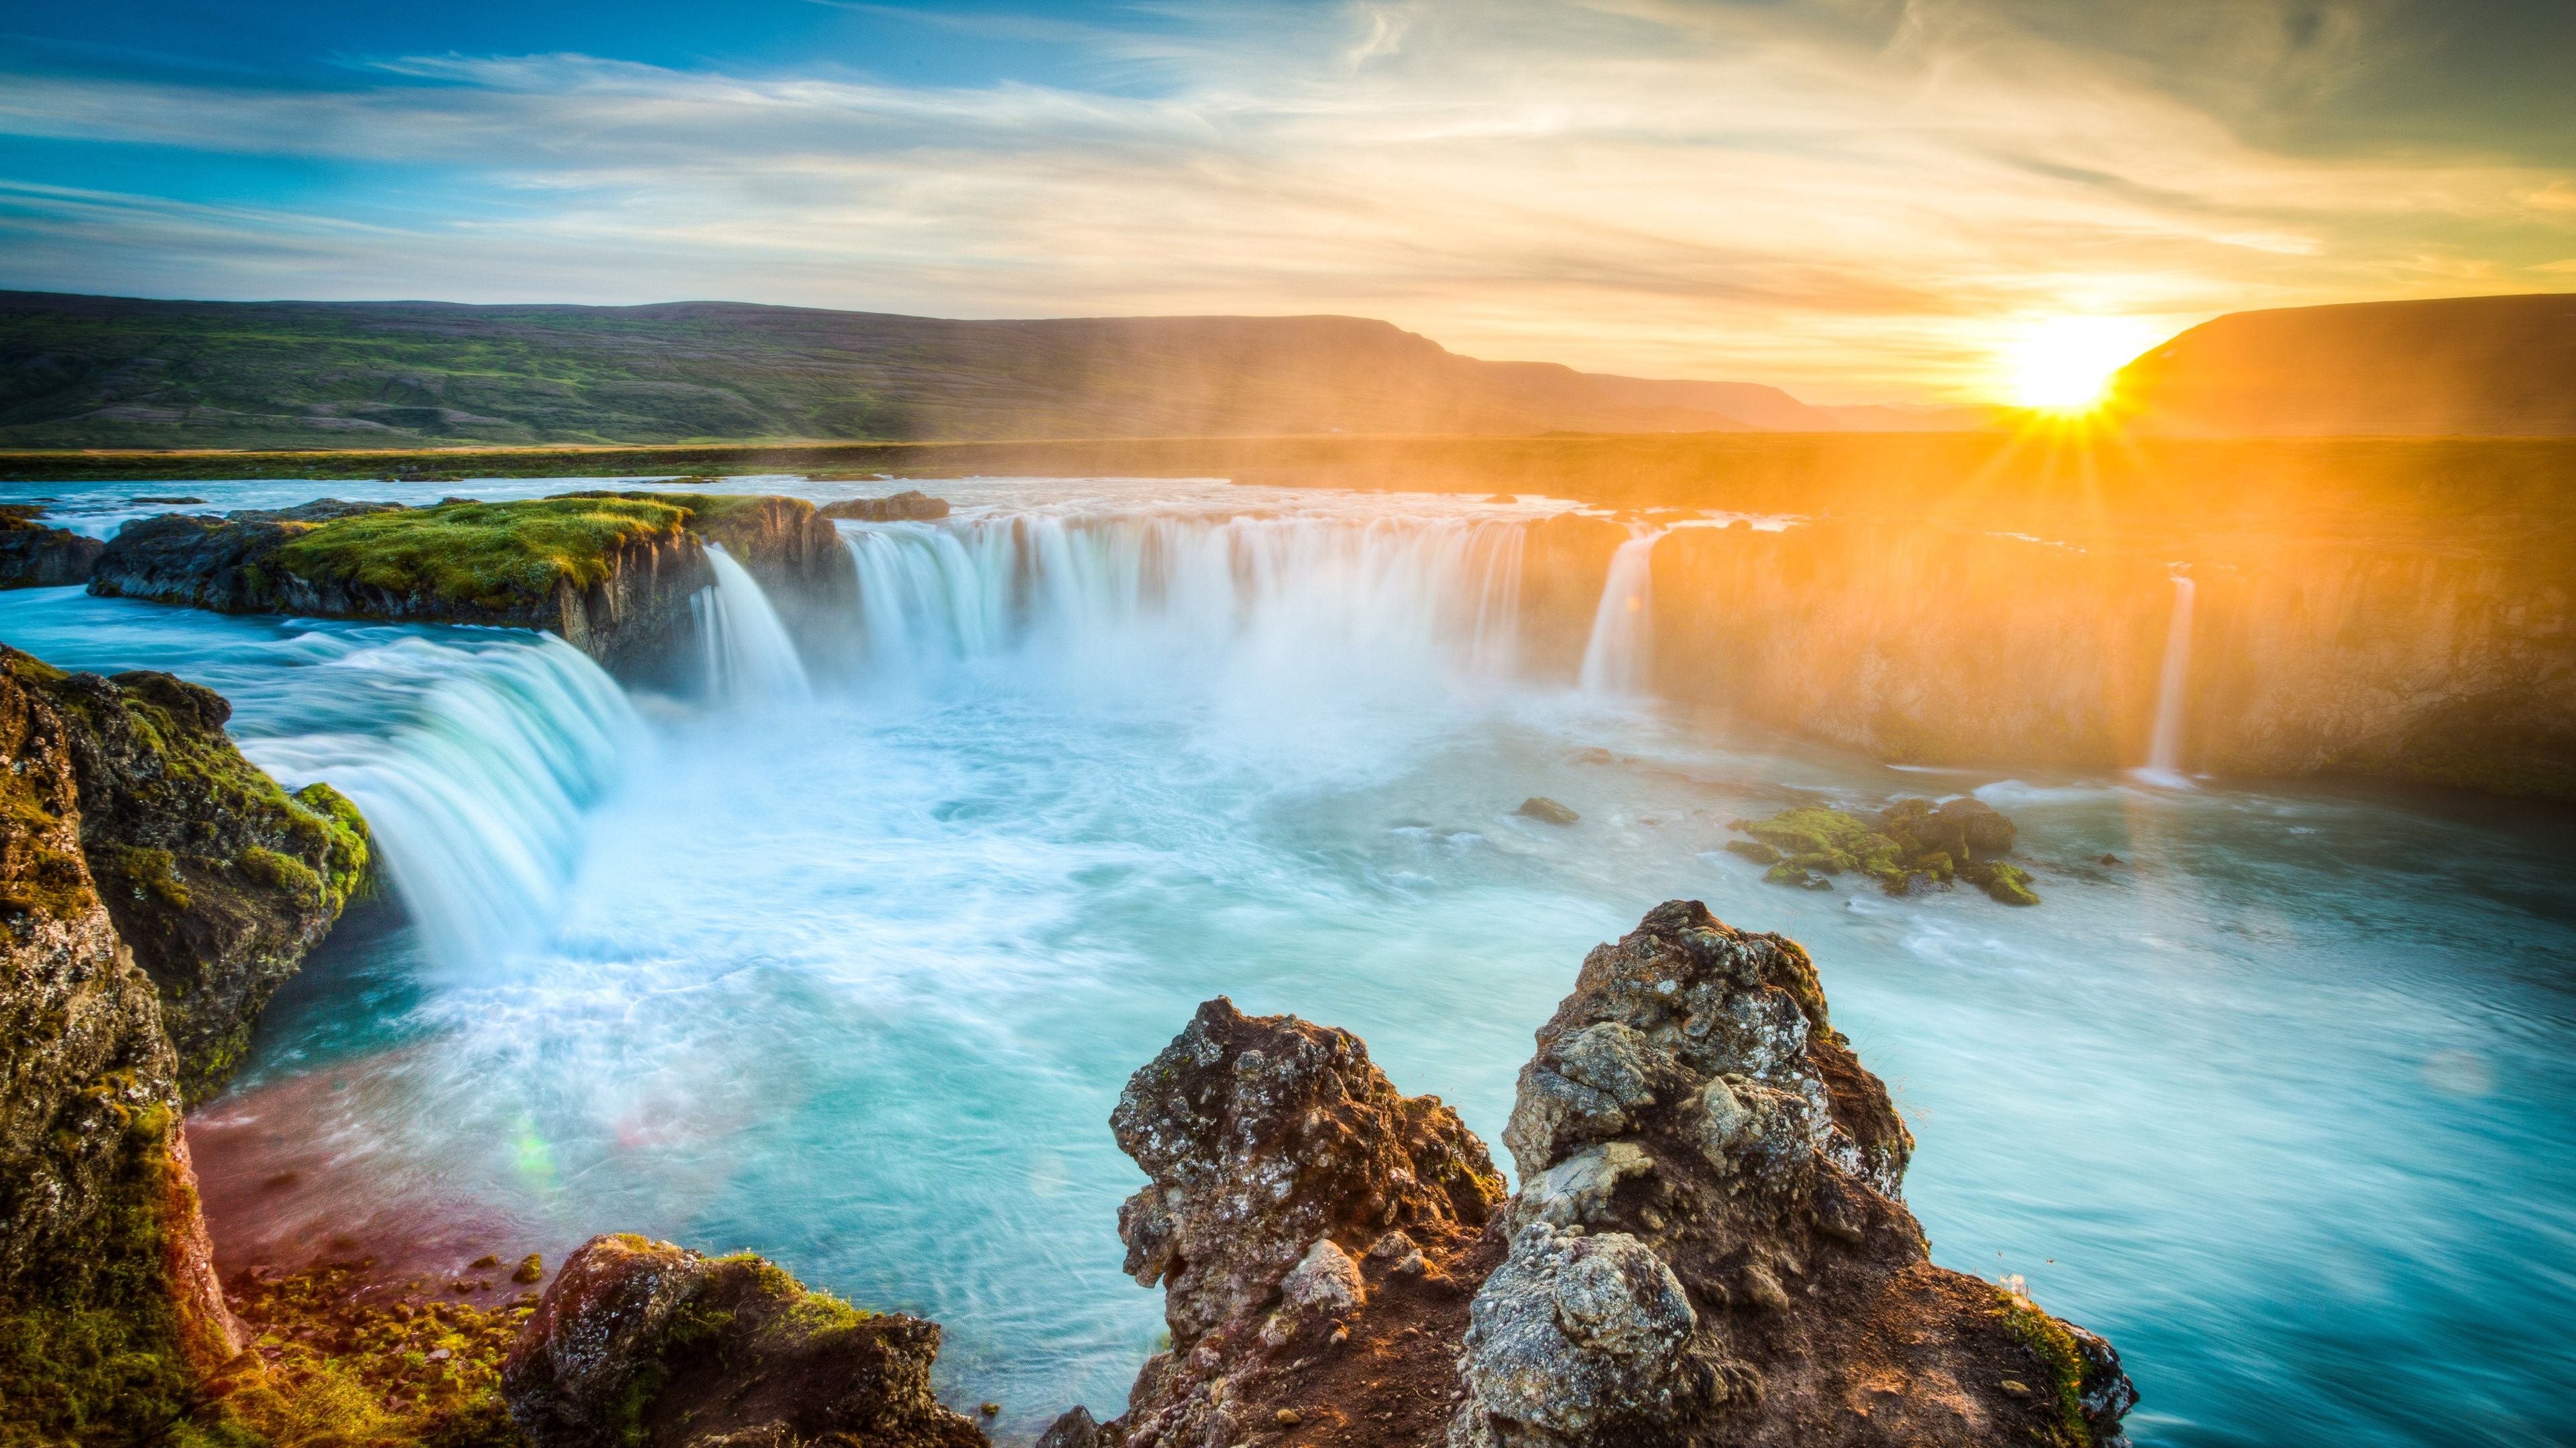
x: 35, y: 556
x: 910, y: 504
x: 643, y: 1343
x: 611, y: 573
x: 1710, y: 1246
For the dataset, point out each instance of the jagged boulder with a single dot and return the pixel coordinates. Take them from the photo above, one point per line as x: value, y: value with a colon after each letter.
x: 219, y: 881
x: 643, y: 1343
x: 1314, y: 1230
x: 1711, y: 1244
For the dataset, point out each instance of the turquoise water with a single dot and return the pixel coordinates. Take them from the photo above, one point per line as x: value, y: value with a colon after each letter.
x: 2281, y: 1103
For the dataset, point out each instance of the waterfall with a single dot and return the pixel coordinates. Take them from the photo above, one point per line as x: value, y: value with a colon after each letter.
x: 749, y: 657
x: 1170, y: 599
x: 475, y: 795
x: 2164, y: 750
x: 1618, y: 661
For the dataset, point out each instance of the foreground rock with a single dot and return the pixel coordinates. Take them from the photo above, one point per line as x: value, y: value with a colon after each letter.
x: 35, y: 556
x: 110, y: 1320
x: 1710, y: 1246
x: 643, y: 1343
x: 1315, y: 1231
x: 910, y: 505
x: 219, y: 882
x: 612, y: 573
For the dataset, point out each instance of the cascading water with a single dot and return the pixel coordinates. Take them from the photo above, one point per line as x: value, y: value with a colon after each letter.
x: 1618, y: 661
x: 1297, y: 602
x: 749, y: 657
x: 476, y: 795
x: 2164, y: 749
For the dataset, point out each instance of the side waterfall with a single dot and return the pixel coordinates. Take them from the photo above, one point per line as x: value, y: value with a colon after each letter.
x: 476, y: 796
x: 1176, y: 596
x: 749, y: 657
x: 1619, y: 660
x: 2164, y: 750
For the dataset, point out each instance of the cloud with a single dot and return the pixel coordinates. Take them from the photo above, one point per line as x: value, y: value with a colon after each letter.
x: 1779, y: 193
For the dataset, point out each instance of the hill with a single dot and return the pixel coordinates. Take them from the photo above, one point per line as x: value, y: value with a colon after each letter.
x: 118, y: 372
x: 2463, y: 366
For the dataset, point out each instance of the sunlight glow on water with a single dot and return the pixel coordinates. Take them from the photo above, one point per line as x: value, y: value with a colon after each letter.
x: 2281, y: 1103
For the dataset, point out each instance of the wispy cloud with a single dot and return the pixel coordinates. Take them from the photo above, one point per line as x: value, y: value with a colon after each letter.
x: 1645, y: 185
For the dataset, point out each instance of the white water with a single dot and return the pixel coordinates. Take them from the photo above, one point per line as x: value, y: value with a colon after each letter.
x: 2164, y: 749
x: 1619, y: 659
x: 749, y: 658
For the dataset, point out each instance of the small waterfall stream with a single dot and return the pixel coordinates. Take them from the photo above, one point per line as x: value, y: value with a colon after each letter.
x: 476, y: 794
x: 1618, y: 661
x: 2164, y: 748
x: 749, y: 657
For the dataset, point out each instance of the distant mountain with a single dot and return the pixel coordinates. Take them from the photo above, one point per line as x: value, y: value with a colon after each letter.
x: 2470, y: 366
x: 117, y: 372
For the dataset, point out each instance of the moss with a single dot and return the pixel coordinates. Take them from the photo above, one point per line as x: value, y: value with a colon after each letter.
x: 2009, y: 884
x: 279, y: 872
x: 1754, y: 850
x: 342, y: 1369
x: 499, y: 556
x: 2061, y: 1367
x: 92, y: 1345
x: 1812, y: 842
x: 325, y: 821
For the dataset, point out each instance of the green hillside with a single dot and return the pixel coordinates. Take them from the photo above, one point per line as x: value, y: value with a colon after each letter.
x: 116, y: 372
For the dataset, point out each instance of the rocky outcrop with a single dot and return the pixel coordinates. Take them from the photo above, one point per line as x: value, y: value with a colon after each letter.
x: 218, y: 881
x: 109, y: 1318
x: 35, y: 556
x: 1911, y: 846
x: 1710, y: 1246
x: 643, y: 1343
x: 1315, y: 1232
x: 611, y: 573
x: 910, y: 505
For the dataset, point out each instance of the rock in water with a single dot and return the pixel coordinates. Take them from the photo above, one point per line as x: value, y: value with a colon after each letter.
x: 1540, y: 807
x: 1313, y: 1230
x: 219, y: 881
x: 910, y: 504
x: 1711, y: 1244
x: 643, y: 1342
x: 35, y: 556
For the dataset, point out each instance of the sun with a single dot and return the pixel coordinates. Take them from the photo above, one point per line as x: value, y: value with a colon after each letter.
x: 2064, y: 364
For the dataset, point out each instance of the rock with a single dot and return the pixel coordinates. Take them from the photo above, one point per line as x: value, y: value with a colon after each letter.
x: 2009, y: 884
x: 611, y: 572
x: 1912, y: 847
x: 1712, y: 1244
x: 910, y: 504
x: 2108, y: 859
x: 1075, y: 1429
x: 219, y: 882
x: 100, y: 1237
x: 35, y: 556
x: 1540, y: 807
x: 1754, y: 850
x: 1502, y: 498
x: 645, y: 1342
x: 532, y: 1268
x: 1289, y: 1178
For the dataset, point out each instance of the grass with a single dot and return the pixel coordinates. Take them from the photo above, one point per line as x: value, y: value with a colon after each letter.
x: 501, y: 556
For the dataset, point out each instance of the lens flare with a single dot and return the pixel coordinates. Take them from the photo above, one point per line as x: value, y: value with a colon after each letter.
x: 2065, y: 363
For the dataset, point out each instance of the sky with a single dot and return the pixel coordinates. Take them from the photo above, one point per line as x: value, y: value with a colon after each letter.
x: 1859, y: 200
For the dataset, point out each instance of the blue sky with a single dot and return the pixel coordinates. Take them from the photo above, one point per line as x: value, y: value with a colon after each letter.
x: 1861, y: 199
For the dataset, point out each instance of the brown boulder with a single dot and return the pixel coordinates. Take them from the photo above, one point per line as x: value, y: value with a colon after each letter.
x: 641, y: 1344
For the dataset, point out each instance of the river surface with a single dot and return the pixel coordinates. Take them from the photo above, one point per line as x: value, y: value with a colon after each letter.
x: 846, y: 960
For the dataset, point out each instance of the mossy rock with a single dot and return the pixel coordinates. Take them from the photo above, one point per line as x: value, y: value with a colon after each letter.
x: 1913, y: 846
x: 504, y: 557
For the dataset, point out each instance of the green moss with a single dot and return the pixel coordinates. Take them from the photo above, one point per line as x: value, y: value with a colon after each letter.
x: 2009, y: 884
x: 2061, y: 1367
x: 279, y: 872
x: 498, y: 556
x: 326, y: 822
x: 347, y: 1368
x: 91, y: 1341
